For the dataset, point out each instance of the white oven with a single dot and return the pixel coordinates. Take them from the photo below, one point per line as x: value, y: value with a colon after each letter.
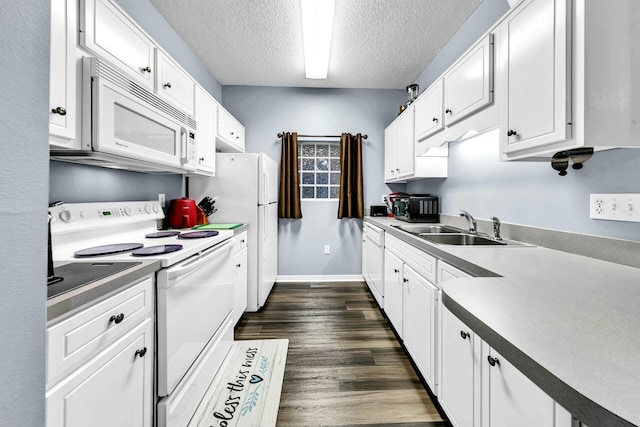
x: 125, y: 125
x: 194, y: 297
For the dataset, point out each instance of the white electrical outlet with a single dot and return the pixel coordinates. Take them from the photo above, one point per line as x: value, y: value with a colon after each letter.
x: 383, y: 199
x: 161, y: 199
x: 327, y: 249
x: 615, y: 207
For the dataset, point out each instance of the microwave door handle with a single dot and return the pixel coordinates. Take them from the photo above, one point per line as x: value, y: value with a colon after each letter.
x: 183, y: 145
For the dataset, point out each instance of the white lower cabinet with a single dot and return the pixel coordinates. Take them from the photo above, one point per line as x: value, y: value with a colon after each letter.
x: 240, y: 279
x: 479, y: 387
x: 420, y: 302
x: 393, y: 293
x: 460, y: 372
x: 373, y: 260
x: 410, y: 302
x: 111, y: 385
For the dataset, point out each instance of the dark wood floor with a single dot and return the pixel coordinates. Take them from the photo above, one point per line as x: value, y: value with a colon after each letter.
x: 345, y: 366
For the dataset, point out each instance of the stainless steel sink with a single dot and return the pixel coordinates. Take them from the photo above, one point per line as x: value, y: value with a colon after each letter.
x: 461, y: 239
x: 428, y: 229
x: 465, y: 239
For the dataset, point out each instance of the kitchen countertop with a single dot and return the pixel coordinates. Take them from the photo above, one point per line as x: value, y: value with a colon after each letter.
x: 65, y: 304
x: 568, y: 322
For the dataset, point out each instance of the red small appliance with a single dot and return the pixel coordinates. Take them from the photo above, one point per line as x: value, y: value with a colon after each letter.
x: 183, y: 213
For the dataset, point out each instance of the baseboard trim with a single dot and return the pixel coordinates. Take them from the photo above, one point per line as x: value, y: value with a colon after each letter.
x: 320, y: 278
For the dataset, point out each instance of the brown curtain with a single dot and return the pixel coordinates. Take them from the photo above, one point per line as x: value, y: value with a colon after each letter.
x: 289, y: 200
x: 351, y: 203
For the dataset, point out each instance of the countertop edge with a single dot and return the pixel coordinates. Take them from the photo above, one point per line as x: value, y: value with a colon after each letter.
x: 61, y: 306
x: 580, y: 406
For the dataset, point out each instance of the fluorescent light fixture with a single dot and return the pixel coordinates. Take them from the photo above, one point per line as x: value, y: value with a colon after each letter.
x: 317, y: 25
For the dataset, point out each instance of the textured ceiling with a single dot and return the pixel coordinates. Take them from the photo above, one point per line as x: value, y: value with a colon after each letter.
x: 376, y: 43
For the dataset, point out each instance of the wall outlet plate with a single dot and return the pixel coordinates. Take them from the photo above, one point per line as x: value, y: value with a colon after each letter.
x: 327, y: 249
x: 615, y: 207
x: 161, y: 199
x: 383, y: 199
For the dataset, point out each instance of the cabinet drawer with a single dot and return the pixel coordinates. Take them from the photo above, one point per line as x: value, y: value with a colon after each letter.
x: 373, y: 233
x: 74, y: 340
x: 446, y: 272
x: 423, y: 263
x: 240, y: 242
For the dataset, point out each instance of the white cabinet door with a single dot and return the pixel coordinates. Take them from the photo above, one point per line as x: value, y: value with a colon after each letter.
x: 230, y: 132
x: 468, y: 86
x: 405, y: 144
x: 390, y: 172
x: 109, y: 33
x: 393, y: 292
x: 420, y: 298
x: 372, y: 265
x: 62, y: 83
x: 206, y: 133
x: 429, y: 110
x: 240, y: 284
x: 114, y: 389
x: 174, y: 85
x: 510, y: 398
x: 459, y: 365
x: 534, y: 65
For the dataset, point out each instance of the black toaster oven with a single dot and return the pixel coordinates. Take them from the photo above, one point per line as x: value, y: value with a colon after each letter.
x: 417, y: 208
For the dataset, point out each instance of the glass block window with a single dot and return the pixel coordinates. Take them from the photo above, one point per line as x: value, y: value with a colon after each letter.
x: 319, y: 165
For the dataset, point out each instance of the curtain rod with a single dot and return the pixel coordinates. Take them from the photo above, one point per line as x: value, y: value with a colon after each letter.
x: 322, y: 136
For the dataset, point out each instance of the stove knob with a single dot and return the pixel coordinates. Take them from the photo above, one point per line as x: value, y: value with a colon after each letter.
x: 147, y: 209
x: 128, y: 211
x: 66, y: 216
x: 156, y: 209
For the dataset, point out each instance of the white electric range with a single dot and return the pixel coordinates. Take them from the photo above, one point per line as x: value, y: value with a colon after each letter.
x: 194, y: 289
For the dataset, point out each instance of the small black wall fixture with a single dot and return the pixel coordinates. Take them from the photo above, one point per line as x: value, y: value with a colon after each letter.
x: 577, y: 156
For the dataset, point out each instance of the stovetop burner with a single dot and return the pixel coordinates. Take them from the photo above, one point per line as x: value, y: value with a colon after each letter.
x: 161, y: 234
x: 197, y: 234
x: 156, y: 250
x: 107, y: 249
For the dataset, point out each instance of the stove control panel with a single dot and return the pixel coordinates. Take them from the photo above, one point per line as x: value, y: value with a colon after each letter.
x: 68, y: 217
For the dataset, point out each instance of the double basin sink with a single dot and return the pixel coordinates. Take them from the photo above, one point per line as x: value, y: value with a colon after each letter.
x: 447, y: 235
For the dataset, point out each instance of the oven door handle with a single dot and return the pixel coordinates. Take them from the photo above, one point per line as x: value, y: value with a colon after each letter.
x: 200, y: 260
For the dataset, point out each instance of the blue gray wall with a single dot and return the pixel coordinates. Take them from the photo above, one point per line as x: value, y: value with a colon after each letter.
x: 265, y: 111
x: 532, y: 193
x: 24, y: 164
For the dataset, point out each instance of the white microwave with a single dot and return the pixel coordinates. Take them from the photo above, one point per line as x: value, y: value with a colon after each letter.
x: 126, y: 126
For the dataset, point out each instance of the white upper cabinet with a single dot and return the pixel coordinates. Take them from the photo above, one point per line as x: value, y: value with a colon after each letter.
x: 206, y: 134
x: 109, y: 33
x: 63, y: 110
x: 568, y: 77
x: 429, y: 115
x: 174, y: 85
x: 390, y: 133
x: 534, y: 76
x: 405, y: 159
x: 468, y: 86
x: 230, y: 132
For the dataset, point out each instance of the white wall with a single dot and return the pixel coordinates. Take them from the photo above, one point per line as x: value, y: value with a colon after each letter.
x: 24, y: 167
x: 265, y: 111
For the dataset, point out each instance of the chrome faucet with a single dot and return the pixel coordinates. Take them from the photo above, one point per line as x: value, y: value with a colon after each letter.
x: 472, y: 222
x: 496, y: 228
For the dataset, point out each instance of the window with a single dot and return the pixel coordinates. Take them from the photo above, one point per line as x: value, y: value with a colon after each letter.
x: 319, y: 165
